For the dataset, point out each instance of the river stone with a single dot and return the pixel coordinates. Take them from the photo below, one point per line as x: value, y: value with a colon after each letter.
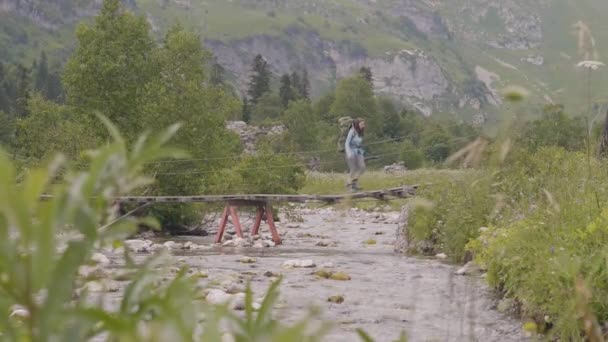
x: 229, y: 243
x: 89, y: 272
x: 240, y: 242
x: 138, y: 246
x: 234, y: 288
x: 441, y: 256
x: 99, y: 258
x: 218, y: 297
x: 470, y: 268
x: 339, y: 299
x: 258, y: 244
x: 299, y: 264
x: 19, y: 311
x: 173, y: 245
x: 268, y: 243
x: 248, y: 260
x: 238, y: 301
x: 324, y: 243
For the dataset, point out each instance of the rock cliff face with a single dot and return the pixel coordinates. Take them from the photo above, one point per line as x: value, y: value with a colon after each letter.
x: 409, y: 76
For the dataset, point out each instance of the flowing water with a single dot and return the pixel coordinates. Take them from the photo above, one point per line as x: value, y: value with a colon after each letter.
x: 387, y: 294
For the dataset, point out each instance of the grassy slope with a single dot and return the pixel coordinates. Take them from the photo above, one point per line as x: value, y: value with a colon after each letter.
x: 366, y: 26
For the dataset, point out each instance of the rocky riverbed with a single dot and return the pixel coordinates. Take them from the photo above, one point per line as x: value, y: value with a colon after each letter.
x: 342, y: 262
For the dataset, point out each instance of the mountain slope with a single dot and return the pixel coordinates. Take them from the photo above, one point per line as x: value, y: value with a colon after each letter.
x: 440, y: 56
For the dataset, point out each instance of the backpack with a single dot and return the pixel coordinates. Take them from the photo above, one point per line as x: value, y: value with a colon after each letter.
x: 344, y: 125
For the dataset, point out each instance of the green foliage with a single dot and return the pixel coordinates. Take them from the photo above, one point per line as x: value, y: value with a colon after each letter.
x: 246, y: 110
x: 412, y: 157
x: 7, y: 129
x: 304, y: 86
x: 178, y: 93
x: 459, y: 206
x: 110, y: 65
x: 40, y: 275
x: 392, y: 126
x: 51, y: 127
x: 286, y: 92
x: 436, y: 142
x: 22, y: 91
x: 267, y: 108
x: 354, y: 97
x: 554, y: 128
x: 302, y: 134
x: 559, y: 234
x: 270, y: 173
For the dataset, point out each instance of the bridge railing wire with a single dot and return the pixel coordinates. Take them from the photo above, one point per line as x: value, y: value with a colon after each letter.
x: 324, y: 163
x: 242, y: 155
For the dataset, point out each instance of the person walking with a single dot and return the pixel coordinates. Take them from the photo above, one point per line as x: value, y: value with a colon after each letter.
x: 354, y: 152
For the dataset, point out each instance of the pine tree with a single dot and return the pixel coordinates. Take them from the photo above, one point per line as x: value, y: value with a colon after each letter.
x: 367, y: 75
x: 22, y: 91
x: 246, y: 110
x: 5, y: 104
x: 304, y: 88
x: 217, y: 77
x: 41, y: 75
x: 296, y: 83
x: 286, y: 91
x: 259, y: 82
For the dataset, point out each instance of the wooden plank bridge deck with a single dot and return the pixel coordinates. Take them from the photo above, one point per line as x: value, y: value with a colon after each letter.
x: 399, y: 192
x: 263, y: 204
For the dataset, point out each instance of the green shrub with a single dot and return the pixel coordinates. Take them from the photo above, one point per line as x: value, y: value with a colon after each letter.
x: 459, y: 206
x: 551, y: 230
x: 40, y: 279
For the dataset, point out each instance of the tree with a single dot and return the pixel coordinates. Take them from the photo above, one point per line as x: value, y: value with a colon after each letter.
x: 391, y: 127
x: 367, y: 75
x: 323, y: 108
x: 110, y: 65
x: 436, y: 143
x: 355, y: 98
x: 5, y: 103
x: 296, y: 83
x: 7, y: 129
x: 259, y: 82
x: 246, y: 112
x: 41, y: 75
x: 217, y: 77
x: 554, y: 128
x: 302, y: 132
x: 22, y: 91
x: 304, y: 89
x: 411, y: 156
x: 286, y: 92
x: 269, y: 107
x: 50, y: 128
x: 178, y: 93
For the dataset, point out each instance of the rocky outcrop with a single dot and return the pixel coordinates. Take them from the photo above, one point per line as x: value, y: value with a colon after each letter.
x: 250, y: 134
x: 502, y: 24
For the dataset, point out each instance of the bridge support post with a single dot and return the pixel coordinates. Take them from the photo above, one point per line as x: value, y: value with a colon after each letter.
x: 263, y: 212
x: 229, y: 211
